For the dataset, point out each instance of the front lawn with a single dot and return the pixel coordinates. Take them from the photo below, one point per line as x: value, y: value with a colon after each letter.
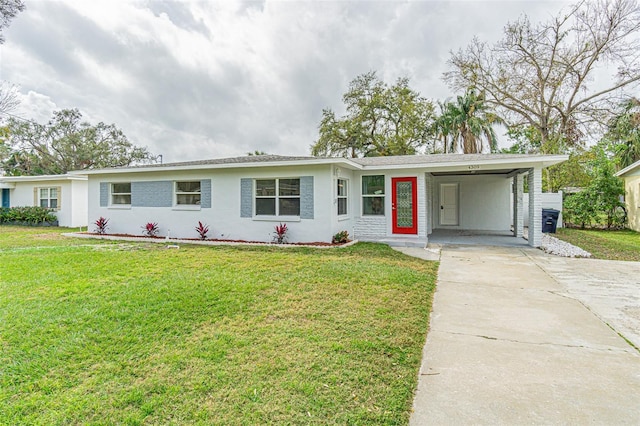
x: 611, y: 245
x: 110, y: 333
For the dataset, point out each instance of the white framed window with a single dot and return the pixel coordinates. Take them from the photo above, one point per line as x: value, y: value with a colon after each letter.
x: 121, y: 194
x: 277, y: 197
x: 341, y: 195
x: 373, y: 195
x: 49, y: 198
x: 188, y: 193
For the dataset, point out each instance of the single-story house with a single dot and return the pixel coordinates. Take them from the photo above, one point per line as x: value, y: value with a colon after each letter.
x: 631, y: 177
x: 65, y: 194
x: 390, y: 199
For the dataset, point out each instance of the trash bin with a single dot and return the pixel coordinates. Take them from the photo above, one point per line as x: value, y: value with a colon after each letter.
x: 550, y: 220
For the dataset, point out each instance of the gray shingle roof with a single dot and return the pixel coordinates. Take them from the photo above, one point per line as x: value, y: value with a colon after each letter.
x: 435, y: 158
x: 233, y: 160
x: 400, y: 161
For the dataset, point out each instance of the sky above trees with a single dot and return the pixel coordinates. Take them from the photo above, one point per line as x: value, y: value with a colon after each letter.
x: 204, y: 79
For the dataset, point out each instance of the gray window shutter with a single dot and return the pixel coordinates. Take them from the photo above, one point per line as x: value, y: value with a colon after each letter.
x: 246, y: 197
x: 104, y: 194
x: 152, y: 194
x: 205, y: 193
x: 306, y: 197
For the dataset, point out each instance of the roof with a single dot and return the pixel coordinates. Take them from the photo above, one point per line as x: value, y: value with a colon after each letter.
x: 627, y: 170
x: 249, y: 159
x: 435, y: 158
x: 448, y: 162
x: 39, y: 178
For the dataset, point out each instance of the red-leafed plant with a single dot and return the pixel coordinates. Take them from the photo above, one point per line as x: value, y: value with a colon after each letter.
x: 101, y: 225
x: 280, y: 234
x: 202, y: 230
x: 150, y: 229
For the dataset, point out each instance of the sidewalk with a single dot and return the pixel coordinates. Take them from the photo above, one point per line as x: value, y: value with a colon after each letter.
x: 507, y: 345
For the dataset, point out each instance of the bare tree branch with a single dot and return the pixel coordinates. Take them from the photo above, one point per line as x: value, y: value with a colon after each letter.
x: 541, y: 74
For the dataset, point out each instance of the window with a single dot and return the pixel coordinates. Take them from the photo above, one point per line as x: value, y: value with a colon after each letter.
x: 373, y: 195
x: 277, y: 197
x: 341, y: 193
x: 48, y: 198
x: 121, y: 193
x: 188, y: 193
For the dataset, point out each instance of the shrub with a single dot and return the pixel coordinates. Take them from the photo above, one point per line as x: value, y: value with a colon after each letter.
x: 202, y: 230
x: 280, y: 234
x: 27, y: 215
x: 151, y: 229
x: 340, y: 238
x: 580, y: 209
x: 101, y: 225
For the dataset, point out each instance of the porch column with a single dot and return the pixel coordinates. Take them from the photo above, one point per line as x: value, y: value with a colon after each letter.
x: 429, y: 198
x: 535, y: 207
x: 518, y: 216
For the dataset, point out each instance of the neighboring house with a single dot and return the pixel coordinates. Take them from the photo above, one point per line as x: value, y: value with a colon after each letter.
x: 631, y: 177
x: 399, y: 199
x: 66, y: 195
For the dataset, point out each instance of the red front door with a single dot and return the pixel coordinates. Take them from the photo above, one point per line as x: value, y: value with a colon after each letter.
x: 404, y: 208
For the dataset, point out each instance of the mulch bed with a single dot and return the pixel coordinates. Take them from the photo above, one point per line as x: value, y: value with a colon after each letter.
x: 215, y: 240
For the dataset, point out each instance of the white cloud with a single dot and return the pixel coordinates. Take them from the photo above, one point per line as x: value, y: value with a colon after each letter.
x: 36, y: 106
x: 198, y: 79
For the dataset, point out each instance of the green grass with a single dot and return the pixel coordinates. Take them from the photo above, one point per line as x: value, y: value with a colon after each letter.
x: 104, y: 333
x: 612, y: 245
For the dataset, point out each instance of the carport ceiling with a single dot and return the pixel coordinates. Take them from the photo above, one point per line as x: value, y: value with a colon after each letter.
x: 481, y: 172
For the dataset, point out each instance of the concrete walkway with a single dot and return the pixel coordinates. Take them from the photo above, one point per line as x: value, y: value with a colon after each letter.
x: 512, y: 341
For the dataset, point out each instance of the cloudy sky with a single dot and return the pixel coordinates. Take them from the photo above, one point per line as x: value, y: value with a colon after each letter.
x: 195, y: 79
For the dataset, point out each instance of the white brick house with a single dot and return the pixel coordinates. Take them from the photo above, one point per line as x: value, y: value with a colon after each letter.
x: 392, y: 199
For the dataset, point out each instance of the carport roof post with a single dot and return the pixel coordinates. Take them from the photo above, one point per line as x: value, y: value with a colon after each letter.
x: 535, y: 206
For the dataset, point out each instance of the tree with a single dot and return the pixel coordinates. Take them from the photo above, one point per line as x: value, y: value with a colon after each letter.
x: 8, y: 97
x: 67, y: 143
x: 380, y: 120
x: 442, y: 129
x: 623, y: 137
x: 8, y: 10
x: 601, y: 196
x: 466, y: 124
x: 8, y: 93
x: 539, y: 75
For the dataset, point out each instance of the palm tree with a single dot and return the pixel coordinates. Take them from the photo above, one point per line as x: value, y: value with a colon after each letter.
x: 470, y: 124
x: 624, y: 133
x: 441, y: 128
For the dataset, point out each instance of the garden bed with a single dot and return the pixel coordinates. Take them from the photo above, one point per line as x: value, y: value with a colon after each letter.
x: 212, y: 241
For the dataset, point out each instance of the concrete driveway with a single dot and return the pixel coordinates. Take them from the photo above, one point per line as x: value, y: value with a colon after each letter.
x: 521, y: 337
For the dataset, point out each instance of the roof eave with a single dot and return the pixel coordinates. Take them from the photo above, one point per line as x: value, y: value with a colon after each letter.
x: 628, y: 169
x: 344, y: 162
x: 523, y: 162
x: 42, y: 178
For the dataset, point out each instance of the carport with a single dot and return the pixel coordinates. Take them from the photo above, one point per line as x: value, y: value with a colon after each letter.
x: 480, y: 198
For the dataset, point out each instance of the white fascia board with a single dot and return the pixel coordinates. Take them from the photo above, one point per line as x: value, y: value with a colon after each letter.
x: 490, y: 164
x: 42, y: 178
x: 628, y: 169
x: 343, y: 162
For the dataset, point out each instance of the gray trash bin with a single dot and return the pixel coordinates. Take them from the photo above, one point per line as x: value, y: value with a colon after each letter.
x: 550, y: 220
